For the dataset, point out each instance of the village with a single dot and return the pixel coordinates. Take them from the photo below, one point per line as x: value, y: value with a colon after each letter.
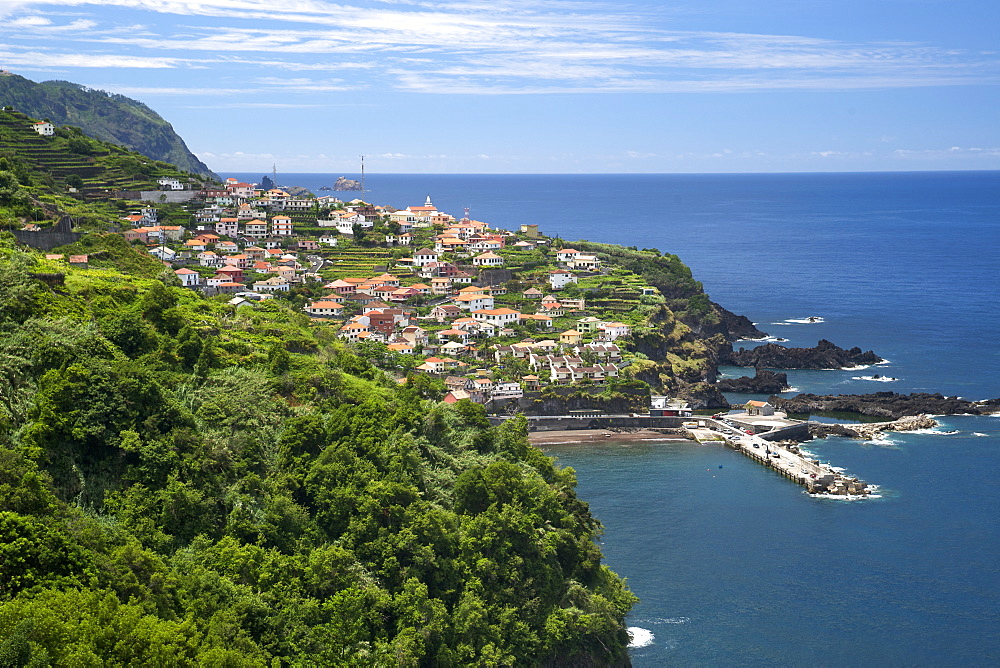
x: 494, y: 313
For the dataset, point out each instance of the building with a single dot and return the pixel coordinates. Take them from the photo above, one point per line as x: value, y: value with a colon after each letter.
x: 488, y: 259
x: 188, y: 277
x: 44, y: 128
x: 281, y: 226
x: 759, y: 408
x: 499, y: 317
x: 325, y: 308
x: 273, y: 284
x: 559, y: 279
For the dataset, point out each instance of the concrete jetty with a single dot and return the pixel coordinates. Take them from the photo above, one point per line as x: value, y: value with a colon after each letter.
x: 816, y: 477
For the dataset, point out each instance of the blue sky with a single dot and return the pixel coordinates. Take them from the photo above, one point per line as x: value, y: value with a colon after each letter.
x: 551, y: 86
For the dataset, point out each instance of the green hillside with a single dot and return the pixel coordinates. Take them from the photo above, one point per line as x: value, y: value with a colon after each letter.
x: 183, y: 483
x: 44, y: 177
x: 109, y: 117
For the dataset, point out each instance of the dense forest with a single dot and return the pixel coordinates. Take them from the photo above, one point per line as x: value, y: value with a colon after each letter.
x: 188, y: 482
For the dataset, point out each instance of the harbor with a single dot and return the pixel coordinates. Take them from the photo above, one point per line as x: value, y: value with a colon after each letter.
x: 815, y: 476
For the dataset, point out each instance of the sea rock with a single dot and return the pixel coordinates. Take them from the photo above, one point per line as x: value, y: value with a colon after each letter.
x: 343, y: 183
x: 825, y: 355
x: 889, y: 405
x: 764, y: 382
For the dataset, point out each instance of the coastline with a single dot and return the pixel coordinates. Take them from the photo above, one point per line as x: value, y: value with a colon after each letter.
x: 584, y: 436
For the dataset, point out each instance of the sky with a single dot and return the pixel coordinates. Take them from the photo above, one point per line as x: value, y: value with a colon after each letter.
x: 539, y: 86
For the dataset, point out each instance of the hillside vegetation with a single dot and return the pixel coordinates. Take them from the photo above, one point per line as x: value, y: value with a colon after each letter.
x: 43, y: 177
x: 183, y: 482
x: 106, y: 116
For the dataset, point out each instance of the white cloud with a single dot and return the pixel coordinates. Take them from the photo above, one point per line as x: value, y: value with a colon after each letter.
x: 504, y: 47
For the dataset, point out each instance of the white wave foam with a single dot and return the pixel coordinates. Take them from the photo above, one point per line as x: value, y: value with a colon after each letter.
x: 979, y: 433
x: 876, y: 378
x: 857, y: 367
x: 939, y: 432
x: 639, y: 637
x: 793, y: 389
x: 764, y: 339
x: 811, y: 320
x: 884, y: 361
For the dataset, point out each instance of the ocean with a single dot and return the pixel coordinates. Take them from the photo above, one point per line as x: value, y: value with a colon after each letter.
x: 734, y: 564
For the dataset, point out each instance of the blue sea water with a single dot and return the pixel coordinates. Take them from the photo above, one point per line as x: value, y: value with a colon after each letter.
x: 736, y: 565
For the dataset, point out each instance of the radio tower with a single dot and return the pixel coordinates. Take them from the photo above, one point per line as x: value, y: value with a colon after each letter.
x: 362, y: 177
x: 274, y: 175
x: 467, y: 213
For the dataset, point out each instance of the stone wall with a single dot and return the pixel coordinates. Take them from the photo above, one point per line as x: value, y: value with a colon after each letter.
x: 48, y: 238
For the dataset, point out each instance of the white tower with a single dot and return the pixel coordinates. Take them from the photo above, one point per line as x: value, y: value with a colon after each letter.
x: 428, y: 201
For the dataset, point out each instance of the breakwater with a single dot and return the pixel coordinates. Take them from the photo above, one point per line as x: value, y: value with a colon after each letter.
x: 816, y: 477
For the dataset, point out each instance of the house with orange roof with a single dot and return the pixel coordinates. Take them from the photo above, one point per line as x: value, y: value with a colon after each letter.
x: 188, y: 277
x: 352, y: 331
x: 401, y: 348
x: 281, y: 226
x: 613, y: 330
x: 566, y: 254
x: 255, y: 228
x: 488, y: 259
x: 498, y: 317
x: 325, y: 308
x: 559, y: 279
x: 474, y: 302
x: 440, y: 285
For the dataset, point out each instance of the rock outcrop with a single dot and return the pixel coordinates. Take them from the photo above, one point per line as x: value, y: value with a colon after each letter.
x: 344, y: 183
x: 888, y: 405
x: 764, y: 382
x: 871, y: 430
x: 702, y: 395
x: 825, y: 355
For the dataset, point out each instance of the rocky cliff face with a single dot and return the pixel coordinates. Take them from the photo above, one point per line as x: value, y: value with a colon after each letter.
x: 825, y: 355
x: 885, y: 404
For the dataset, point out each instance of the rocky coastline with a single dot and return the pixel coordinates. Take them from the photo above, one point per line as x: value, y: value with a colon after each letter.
x: 889, y: 405
x: 825, y: 355
x: 763, y: 382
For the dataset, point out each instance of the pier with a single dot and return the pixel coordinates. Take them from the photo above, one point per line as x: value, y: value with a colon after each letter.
x: 816, y: 477
x: 759, y: 445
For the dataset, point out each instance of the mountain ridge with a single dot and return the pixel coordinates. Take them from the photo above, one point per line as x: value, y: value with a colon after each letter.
x: 110, y: 117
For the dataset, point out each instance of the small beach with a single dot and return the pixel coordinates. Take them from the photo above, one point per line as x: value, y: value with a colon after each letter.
x: 599, y: 436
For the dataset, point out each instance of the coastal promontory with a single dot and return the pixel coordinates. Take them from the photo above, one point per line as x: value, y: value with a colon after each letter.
x: 825, y: 355
x: 888, y: 405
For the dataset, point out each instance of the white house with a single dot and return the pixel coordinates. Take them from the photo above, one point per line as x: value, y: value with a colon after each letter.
x: 488, y: 259
x: 273, y: 284
x: 44, y: 128
x: 474, y: 302
x: 613, y: 330
x: 328, y: 240
x: 188, y: 277
x: 169, y: 183
x: 424, y: 256
x: 560, y: 279
x: 499, y: 317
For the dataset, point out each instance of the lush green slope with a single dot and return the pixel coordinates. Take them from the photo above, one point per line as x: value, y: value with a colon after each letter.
x: 109, y: 117
x: 183, y: 483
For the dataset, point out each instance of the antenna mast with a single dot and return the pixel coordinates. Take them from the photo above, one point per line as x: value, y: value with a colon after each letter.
x: 274, y: 175
x: 362, y: 177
